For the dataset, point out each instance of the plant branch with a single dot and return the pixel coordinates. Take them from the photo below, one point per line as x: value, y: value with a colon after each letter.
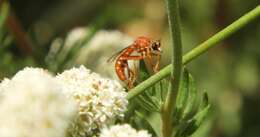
x: 200, y: 49
x: 175, y: 33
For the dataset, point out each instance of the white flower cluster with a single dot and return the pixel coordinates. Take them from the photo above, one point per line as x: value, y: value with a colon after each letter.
x: 124, y: 130
x: 100, y: 101
x: 32, y: 106
x: 74, y: 103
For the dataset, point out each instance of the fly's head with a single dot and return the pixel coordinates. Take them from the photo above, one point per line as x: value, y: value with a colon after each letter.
x: 156, y: 47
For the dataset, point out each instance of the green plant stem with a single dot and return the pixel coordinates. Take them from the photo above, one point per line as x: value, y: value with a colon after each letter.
x: 175, y: 33
x: 200, y: 49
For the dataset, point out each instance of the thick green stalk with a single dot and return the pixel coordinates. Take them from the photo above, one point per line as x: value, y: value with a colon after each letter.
x: 175, y: 33
x: 200, y: 49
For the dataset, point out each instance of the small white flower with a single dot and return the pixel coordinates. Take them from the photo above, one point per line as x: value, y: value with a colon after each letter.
x: 100, y: 48
x: 96, y: 52
x: 100, y: 100
x: 75, y: 35
x: 33, y: 106
x: 124, y: 130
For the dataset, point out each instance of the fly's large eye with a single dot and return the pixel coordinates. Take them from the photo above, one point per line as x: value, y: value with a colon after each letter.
x: 154, y: 46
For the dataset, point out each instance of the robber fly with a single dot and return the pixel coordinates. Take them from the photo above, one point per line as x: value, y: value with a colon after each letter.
x: 142, y: 48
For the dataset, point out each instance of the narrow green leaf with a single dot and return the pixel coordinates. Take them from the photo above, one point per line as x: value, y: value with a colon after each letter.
x: 147, y: 104
x: 204, y: 102
x: 151, y: 99
x: 163, y: 85
x: 192, y: 98
x: 184, y: 90
x: 189, y: 127
x: 182, y: 96
x: 159, y: 91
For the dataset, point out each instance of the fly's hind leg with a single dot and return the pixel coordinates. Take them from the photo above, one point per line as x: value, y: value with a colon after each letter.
x: 131, y: 80
x: 132, y: 75
x: 135, y: 72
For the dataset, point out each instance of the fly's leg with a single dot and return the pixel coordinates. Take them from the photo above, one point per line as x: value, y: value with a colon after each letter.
x: 150, y: 62
x: 149, y: 59
x: 156, y: 67
x: 135, y: 72
x: 132, y: 57
x: 131, y: 80
x: 131, y: 76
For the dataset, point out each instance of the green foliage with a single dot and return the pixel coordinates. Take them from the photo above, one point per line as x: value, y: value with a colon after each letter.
x: 188, y: 114
x: 146, y: 107
x: 152, y: 98
x: 187, y: 126
x: 186, y: 98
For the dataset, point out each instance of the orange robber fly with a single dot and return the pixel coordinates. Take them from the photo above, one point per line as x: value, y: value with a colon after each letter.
x: 142, y: 48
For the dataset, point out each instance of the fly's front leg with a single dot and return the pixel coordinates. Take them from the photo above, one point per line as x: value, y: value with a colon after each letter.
x: 157, y: 64
x: 155, y: 67
x: 150, y: 62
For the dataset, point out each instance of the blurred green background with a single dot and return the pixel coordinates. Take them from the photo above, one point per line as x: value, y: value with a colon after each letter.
x: 41, y: 33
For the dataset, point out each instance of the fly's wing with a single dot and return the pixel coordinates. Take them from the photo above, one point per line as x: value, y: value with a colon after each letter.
x: 115, y: 55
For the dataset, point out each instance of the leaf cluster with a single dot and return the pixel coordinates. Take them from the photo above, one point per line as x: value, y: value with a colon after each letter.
x: 190, y: 110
